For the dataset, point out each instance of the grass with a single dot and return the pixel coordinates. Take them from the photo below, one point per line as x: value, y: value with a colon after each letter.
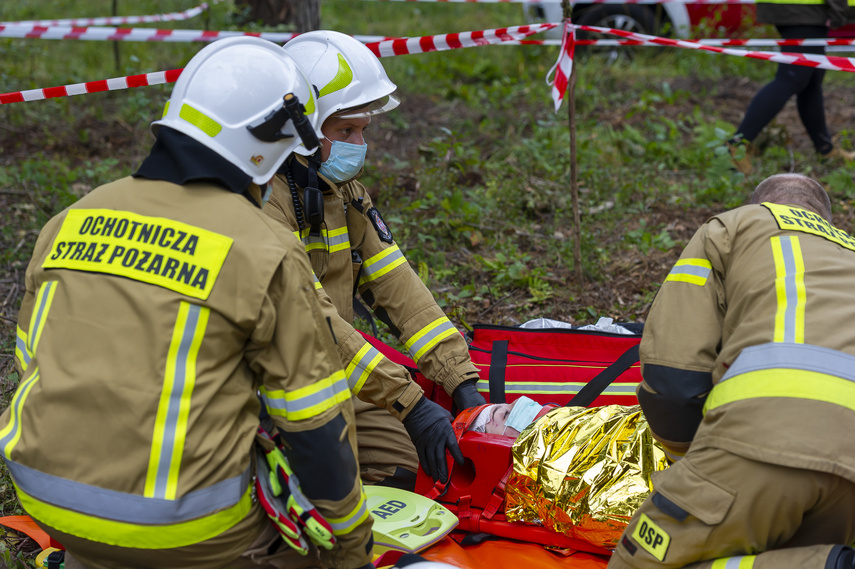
x: 472, y: 172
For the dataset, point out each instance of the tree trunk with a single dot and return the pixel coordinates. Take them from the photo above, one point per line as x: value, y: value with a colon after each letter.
x: 304, y: 14
x: 307, y: 14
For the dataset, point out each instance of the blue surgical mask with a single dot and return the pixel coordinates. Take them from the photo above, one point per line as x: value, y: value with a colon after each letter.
x: 524, y: 412
x: 344, y: 162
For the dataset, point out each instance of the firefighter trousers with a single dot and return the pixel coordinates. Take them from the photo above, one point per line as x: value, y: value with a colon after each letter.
x: 382, y: 443
x: 716, y: 510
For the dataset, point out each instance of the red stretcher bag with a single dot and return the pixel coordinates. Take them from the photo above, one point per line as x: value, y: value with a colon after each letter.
x: 556, y: 365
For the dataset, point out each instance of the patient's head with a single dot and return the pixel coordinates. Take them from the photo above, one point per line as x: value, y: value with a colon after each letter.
x: 508, y: 419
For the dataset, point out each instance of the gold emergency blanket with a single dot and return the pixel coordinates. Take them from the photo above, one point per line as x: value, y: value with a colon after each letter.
x: 583, y: 472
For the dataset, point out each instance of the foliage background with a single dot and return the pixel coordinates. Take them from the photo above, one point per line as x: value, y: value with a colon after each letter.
x: 472, y: 170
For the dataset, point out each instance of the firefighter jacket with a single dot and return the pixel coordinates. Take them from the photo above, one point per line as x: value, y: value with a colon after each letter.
x: 805, y: 12
x: 354, y: 250
x: 155, y: 315
x: 750, y: 341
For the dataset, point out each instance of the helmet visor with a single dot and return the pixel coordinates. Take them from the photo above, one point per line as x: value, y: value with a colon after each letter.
x: 375, y: 107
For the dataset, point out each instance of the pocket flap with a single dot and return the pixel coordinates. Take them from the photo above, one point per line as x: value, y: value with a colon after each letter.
x: 690, y: 491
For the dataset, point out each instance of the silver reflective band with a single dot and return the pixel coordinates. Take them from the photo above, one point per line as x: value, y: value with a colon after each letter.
x: 558, y: 387
x: 694, y: 270
x: 124, y: 507
x: 790, y: 288
x: 805, y: 357
x: 430, y: 337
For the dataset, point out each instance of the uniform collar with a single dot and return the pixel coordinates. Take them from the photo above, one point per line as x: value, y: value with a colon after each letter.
x: 179, y: 159
x: 299, y: 167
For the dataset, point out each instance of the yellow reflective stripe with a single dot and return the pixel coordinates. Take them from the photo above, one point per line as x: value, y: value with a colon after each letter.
x: 44, y: 299
x: 692, y: 271
x: 170, y: 428
x: 200, y: 120
x: 343, y: 78
x: 318, y: 285
x: 154, y: 250
x: 129, y: 535
x: 309, y: 401
x: 789, y: 289
x: 356, y: 516
x: 381, y: 263
x: 11, y: 433
x: 357, y: 370
x: 739, y: 562
x: 425, y: 339
x: 782, y: 382
x: 22, y: 352
x: 557, y: 387
x: 339, y: 239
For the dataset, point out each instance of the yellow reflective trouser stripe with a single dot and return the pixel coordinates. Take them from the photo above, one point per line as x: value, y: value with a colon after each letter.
x: 790, y: 290
x: 318, y: 285
x: 309, y: 401
x: 22, y: 352
x: 170, y: 427
x: 692, y: 271
x: 429, y: 336
x: 134, y: 535
x: 12, y: 431
x: 361, y: 366
x: 381, y: 263
x: 740, y: 562
x: 783, y: 382
x: 356, y: 516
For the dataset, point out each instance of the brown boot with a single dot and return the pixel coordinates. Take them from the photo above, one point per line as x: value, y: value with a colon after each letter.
x: 838, y: 153
x: 741, y: 154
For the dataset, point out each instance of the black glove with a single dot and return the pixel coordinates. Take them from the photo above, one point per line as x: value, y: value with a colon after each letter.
x: 429, y: 426
x: 466, y: 396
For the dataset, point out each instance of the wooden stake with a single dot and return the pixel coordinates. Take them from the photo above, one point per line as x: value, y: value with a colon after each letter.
x: 574, y: 184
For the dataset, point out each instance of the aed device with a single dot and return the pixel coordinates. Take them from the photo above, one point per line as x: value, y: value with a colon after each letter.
x: 405, y: 521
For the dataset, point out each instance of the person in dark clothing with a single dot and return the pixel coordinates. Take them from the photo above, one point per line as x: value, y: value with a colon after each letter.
x: 793, y: 21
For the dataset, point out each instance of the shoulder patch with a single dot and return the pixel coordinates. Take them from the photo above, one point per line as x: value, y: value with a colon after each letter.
x: 382, y: 229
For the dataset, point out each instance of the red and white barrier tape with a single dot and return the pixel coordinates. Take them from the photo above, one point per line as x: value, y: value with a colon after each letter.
x: 156, y: 78
x: 383, y: 48
x: 805, y: 59
x: 386, y: 47
x: 586, y: 1
x: 563, y: 67
x: 116, y: 20
x: 129, y: 34
x: 443, y: 42
x: 719, y: 42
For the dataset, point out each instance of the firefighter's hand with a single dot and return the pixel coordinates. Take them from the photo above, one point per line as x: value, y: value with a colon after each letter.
x: 466, y: 396
x: 429, y: 426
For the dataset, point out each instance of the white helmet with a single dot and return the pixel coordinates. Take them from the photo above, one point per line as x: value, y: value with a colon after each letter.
x: 232, y: 98
x: 346, y: 76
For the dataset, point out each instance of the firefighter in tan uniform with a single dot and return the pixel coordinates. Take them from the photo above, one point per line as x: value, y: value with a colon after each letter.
x: 351, y: 248
x: 159, y: 311
x: 748, y: 360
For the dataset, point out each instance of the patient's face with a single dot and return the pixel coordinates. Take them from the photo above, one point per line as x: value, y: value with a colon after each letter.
x: 498, y: 415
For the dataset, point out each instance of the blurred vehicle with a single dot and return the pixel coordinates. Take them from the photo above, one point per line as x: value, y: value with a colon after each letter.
x: 668, y: 19
x: 673, y: 19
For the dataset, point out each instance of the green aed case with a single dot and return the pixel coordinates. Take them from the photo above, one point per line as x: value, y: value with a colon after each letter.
x: 406, y: 521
